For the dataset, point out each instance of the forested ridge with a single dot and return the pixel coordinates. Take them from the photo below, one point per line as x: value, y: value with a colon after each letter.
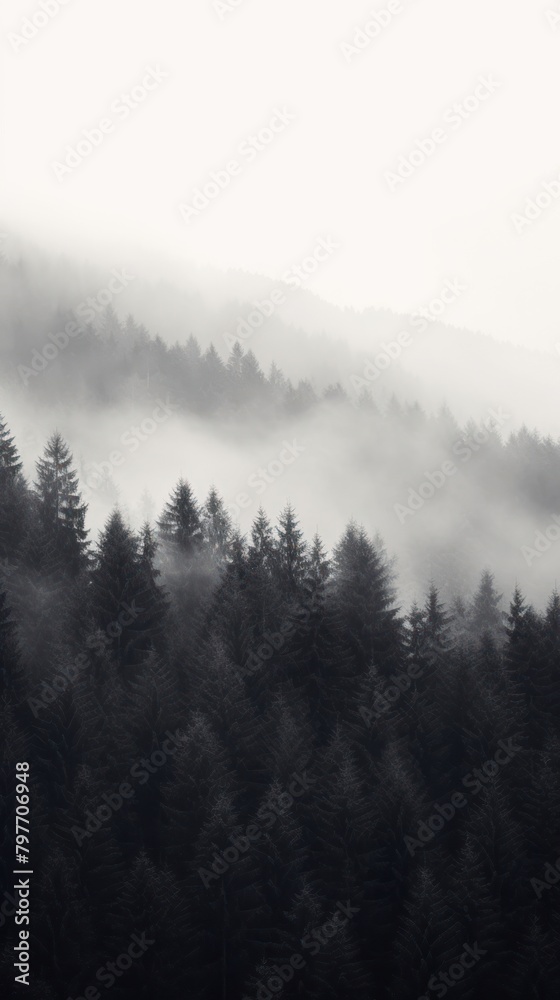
x: 293, y: 742
x: 65, y: 362
x: 116, y: 363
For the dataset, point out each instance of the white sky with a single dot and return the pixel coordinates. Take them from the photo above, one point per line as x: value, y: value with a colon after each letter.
x: 324, y: 174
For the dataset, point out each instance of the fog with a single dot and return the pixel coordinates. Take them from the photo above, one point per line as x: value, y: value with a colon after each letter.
x: 335, y: 460
x: 280, y: 497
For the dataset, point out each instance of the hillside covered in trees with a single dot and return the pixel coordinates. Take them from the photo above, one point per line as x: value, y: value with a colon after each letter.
x: 100, y: 372
x: 248, y: 752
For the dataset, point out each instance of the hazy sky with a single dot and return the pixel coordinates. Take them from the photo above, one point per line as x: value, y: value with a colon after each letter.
x: 323, y: 173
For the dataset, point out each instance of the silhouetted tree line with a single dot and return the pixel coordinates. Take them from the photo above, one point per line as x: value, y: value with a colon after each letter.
x: 274, y: 666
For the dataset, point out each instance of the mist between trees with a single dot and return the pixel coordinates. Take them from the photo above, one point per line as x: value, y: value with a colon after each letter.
x: 207, y: 600
x: 233, y: 415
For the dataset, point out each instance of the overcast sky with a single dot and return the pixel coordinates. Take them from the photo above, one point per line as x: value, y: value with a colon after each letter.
x: 346, y: 117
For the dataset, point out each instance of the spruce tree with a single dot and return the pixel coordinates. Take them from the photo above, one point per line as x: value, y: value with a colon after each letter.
x: 61, y: 513
x: 290, y: 560
x: 437, y: 623
x: 364, y: 593
x: 180, y: 525
x: 216, y: 524
x: 128, y: 605
x: 10, y: 462
x: 315, y: 656
x: 234, y: 369
x: 214, y: 381
x: 261, y: 588
x: 416, y: 629
x: 252, y: 377
x: 485, y: 615
x: 14, y: 497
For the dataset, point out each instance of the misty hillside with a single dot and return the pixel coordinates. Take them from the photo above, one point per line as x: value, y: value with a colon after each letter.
x: 307, y: 337
x: 449, y: 496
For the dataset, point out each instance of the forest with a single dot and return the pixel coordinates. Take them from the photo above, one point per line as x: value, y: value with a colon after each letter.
x: 254, y: 771
x: 234, y: 405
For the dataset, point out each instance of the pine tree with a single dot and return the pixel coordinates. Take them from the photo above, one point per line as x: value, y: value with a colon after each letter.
x: 180, y: 525
x: 234, y: 361
x: 522, y: 631
x: 459, y: 618
x: 251, y: 375
x: 547, y: 669
x: 230, y: 618
x: 300, y: 399
x: 261, y: 589
x: 128, y: 605
x: 192, y: 351
x: 437, y: 623
x: 214, y: 380
x: 148, y: 548
x: 416, y: 629
x: 61, y: 513
x: 315, y: 656
x: 278, y: 384
x: 216, y: 524
x: 485, y: 615
x: 14, y: 497
x: 424, y: 946
x: 10, y: 462
x: 234, y: 370
x: 365, y: 596
x: 290, y: 561
x: 262, y: 544
x: 318, y: 568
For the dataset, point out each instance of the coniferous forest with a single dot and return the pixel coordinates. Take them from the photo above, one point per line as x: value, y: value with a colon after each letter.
x: 279, y: 501
x: 254, y: 772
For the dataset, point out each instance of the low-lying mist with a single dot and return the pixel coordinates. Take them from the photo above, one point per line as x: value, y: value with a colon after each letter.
x: 449, y: 498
